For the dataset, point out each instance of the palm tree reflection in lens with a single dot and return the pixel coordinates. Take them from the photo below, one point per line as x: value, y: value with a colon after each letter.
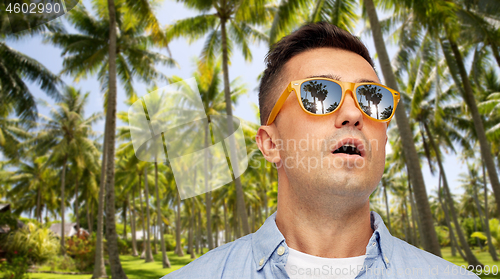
x: 374, y: 100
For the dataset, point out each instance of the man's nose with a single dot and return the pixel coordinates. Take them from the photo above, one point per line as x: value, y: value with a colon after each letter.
x: 349, y: 114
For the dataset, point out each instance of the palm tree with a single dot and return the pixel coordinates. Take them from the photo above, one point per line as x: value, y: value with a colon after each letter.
x: 444, y: 206
x: 430, y: 240
x: 126, y: 55
x: 16, y: 68
x: 421, y: 80
x: 290, y: 14
x: 149, y: 255
x: 471, y: 204
x: 178, y: 245
x: 109, y: 139
x: 489, y: 106
x: 165, y: 261
x: 208, y: 77
x: 444, y: 18
x: 66, y: 134
x: 11, y: 132
x: 126, y: 175
x: 478, y: 25
x: 387, y: 182
x: 154, y: 109
x: 31, y: 183
x: 234, y: 21
x: 491, y: 248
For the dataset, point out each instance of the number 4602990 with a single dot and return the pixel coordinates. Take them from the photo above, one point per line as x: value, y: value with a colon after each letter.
x: 33, y: 8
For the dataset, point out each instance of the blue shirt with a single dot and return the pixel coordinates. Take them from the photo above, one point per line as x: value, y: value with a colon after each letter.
x: 258, y: 255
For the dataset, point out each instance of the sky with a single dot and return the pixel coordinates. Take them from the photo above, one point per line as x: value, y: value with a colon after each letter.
x: 184, y: 53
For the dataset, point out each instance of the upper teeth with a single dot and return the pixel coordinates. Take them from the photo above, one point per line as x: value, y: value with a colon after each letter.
x: 350, y: 144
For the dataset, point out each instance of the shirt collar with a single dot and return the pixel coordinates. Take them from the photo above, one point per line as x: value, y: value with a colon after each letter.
x: 267, y: 239
x: 383, y: 237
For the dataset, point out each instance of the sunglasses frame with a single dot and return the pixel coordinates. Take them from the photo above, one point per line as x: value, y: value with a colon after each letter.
x: 344, y: 85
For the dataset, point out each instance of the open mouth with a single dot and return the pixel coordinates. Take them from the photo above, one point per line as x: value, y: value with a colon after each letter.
x: 349, y: 146
x: 350, y: 149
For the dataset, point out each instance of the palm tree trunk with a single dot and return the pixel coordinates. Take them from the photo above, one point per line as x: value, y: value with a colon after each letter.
x: 208, y: 193
x: 149, y: 255
x: 471, y: 259
x: 155, y: 239
x: 132, y: 225
x: 403, y: 222
x: 387, y: 208
x: 76, y: 203
x: 124, y: 216
x: 63, y: 178
x: 216, y: 226
x: 491, y: 248
x: 414, y: 213
x: 413, y: 229
x: 240, y: 199
x: 496, y: 54
x: 453, y: 240
x: 197, y: 222
x: 410, y: 231
x: 226, y: 226
x: 237, y: 227
x: 114, y: 256
x: 191, y: 232
x: 99, y: 268
x: 143, y: 221
x: 414, y: 218
x: 469, y: 99
x: 475, y: 229
x: 164, y: 258
x: 89, y: 219
x: 479, y: 212
x: 39, y: 204
x: 429, y: 238
x: 199, y: 245
x: 252, y: 217
x: 178, y: 245
x: 259, y: 215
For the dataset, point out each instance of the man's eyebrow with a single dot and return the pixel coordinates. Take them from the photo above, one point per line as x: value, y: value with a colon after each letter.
x: 339, y: 78
x: 335, y: 77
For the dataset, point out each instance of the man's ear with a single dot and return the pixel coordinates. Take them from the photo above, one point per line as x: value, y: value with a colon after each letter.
x: 267, y: 141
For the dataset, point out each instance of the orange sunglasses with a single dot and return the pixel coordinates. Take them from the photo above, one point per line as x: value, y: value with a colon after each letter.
x: 324, y: 96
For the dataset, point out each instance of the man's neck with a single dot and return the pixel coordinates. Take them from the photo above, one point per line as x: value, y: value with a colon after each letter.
x: 339, y: 229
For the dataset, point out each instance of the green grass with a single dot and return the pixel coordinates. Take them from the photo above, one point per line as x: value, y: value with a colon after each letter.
x: 135, y: 268
x: 483, y: 256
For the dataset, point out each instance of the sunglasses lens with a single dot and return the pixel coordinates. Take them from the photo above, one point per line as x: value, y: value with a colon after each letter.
x: 320, y: 96
x: 376, y: 101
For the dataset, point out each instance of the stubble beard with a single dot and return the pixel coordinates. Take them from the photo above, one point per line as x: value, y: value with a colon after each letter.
x: 329, y: 184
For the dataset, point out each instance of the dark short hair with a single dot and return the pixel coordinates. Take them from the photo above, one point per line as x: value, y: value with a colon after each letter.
x: 307, y: 37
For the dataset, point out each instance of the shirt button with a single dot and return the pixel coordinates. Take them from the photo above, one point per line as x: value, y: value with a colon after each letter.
x: 386, y: 260
x: 373, y: 244
x: 281, y: 250
x: 261, y: 262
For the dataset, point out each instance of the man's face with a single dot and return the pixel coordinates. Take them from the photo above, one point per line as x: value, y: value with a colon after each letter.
x: 306, y: 143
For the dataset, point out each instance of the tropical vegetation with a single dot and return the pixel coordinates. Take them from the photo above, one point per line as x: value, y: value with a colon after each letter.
x: 443, y: 56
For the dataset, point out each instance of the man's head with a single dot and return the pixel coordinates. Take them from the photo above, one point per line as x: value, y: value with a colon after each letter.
x: 304, y: 146
x: 308, y: 37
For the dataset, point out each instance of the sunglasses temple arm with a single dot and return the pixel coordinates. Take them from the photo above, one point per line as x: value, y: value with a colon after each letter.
x: 277, y: 107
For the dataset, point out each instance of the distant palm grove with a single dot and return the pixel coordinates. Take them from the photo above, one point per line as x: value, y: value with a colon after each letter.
x: 444, y: 59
